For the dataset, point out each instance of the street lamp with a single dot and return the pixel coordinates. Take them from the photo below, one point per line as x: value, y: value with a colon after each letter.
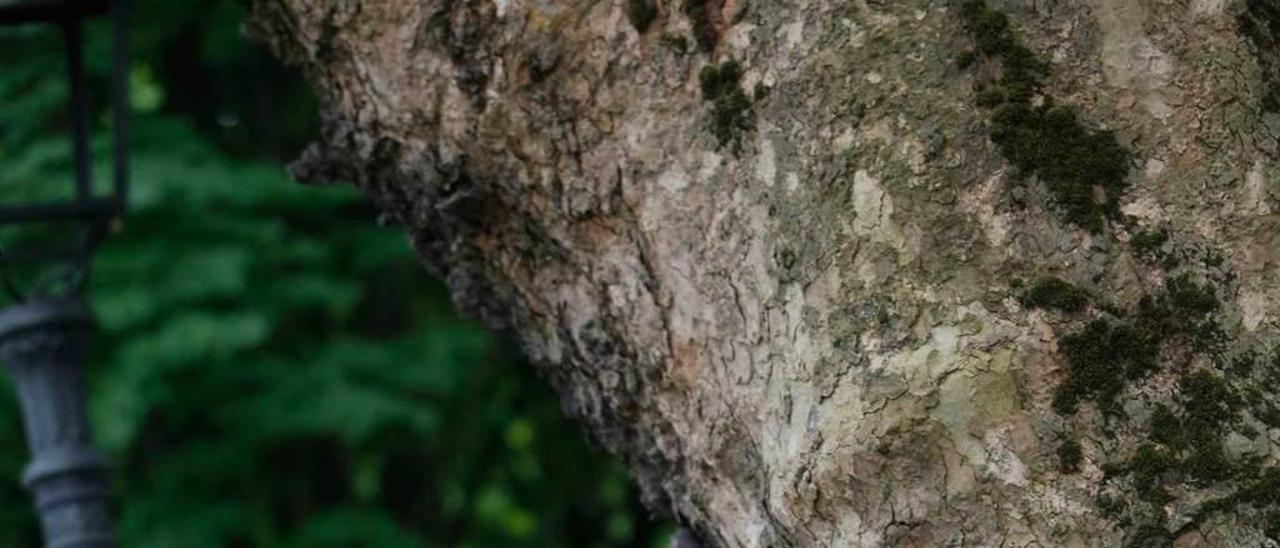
x: 44, y: 334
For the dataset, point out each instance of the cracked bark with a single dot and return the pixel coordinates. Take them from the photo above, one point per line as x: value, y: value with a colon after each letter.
x: 813, y: 340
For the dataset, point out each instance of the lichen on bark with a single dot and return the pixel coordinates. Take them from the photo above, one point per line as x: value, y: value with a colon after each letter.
x: 825, y: 334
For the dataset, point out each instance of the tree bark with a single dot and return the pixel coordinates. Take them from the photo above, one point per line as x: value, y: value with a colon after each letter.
x: 853, y: 273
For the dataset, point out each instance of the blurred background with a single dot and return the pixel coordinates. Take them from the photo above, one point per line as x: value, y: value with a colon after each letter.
x: 272, y: 368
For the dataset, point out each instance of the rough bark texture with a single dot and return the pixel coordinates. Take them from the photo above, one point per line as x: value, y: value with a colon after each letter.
x: 878, y: 281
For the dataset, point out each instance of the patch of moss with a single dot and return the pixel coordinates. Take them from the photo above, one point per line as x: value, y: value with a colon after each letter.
x: 1260, y: 23
x: 1261, y: 492
x: 761, y: 92
x: 1185, y: 450
x: 1213, y: 258
x: 1210, y: 406
x: 642, y: 14
x: 1185, y: 308
x: 1109, y: 506
x: 1271, y: 373
x: 1050, y: 292
x: 1084, y: 169
x: 1242, y: 365
x: 1207, y: 462
x: 1109, y: 352
x: 1100, y: 359
x: 676, y: 43
x: 1069, y: 457
x: 1148, y: 243
x: 704, y: 29
x: 1271, y: 100
x: 1188, y: 446
x: 1209, y: 400
x: 1191, y: 299
x: 731, y: 108
x: 990, y: 97
x: 1072, y: 160
x: 990, y: 28
x: 718, y: 80
x: 1272, y: 529
x: 1148, y: 469
x: 1166, y: 428
x: 1022, y: 74
x: 1269, y: 415
x: 1151, y: 534
x: 1021, y: 70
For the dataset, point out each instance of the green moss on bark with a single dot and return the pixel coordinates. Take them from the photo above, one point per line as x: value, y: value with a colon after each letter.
x: 642, y: 14
x: 1050, y: 292
x: 1149, y: 243
x: 731, y: 108
x: 1100, y: 359
x: 1185, y: 309
x: 1259, y: 21
x: 1084, y: 169
x: 1108, y: 353
x: 1069, y: 457
x: 705, y: 33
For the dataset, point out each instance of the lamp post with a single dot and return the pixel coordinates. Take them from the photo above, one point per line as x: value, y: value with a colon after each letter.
x: 44, y: 333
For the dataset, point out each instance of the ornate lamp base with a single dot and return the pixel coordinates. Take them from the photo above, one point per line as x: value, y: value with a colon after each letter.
x: 43, y: 345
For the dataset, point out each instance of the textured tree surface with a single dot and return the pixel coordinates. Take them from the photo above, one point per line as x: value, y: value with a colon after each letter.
x: 857, y: 272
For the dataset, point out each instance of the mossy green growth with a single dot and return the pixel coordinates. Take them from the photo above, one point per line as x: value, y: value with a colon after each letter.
x: 1190, y: 297
x: 1185, y: 451
x: 1260, y: 491
x: 1100, y: 359
x: 1211, y: 405
x: 718, y: 80
x: 1166, y: 428
x: 1259, y: 488
x: 1072, y: 160
x: 990, y: 28
x: 1108, y: 352
x: 1051, y: 292
x: 1084, y: 169
x: 1148, y: 469
x: 1242, y: 366
x: 731, y: 108
x: 1021, y: 70
x: 1109, y: 506
x: 1069, y: 457
x: 1149, y: 243
x: 1188, y: 446
x: 1259, y: 21
x: 675, y: 43
x: 1209, y: 400
x: 1185, y: 308
x: 642, y: 14
x: 1151, y: 534
x: 704, y: 30
x: 991, y: 97
x: 1271, y: 100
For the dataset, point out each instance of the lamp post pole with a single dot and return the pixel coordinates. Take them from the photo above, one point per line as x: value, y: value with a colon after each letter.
x: 42, y: 343
x: 44, y: 334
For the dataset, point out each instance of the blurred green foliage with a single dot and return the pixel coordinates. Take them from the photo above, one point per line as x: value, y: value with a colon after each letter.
x: 274, y: 369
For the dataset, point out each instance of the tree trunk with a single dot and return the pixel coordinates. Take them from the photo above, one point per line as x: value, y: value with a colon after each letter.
x: 853, y: 273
